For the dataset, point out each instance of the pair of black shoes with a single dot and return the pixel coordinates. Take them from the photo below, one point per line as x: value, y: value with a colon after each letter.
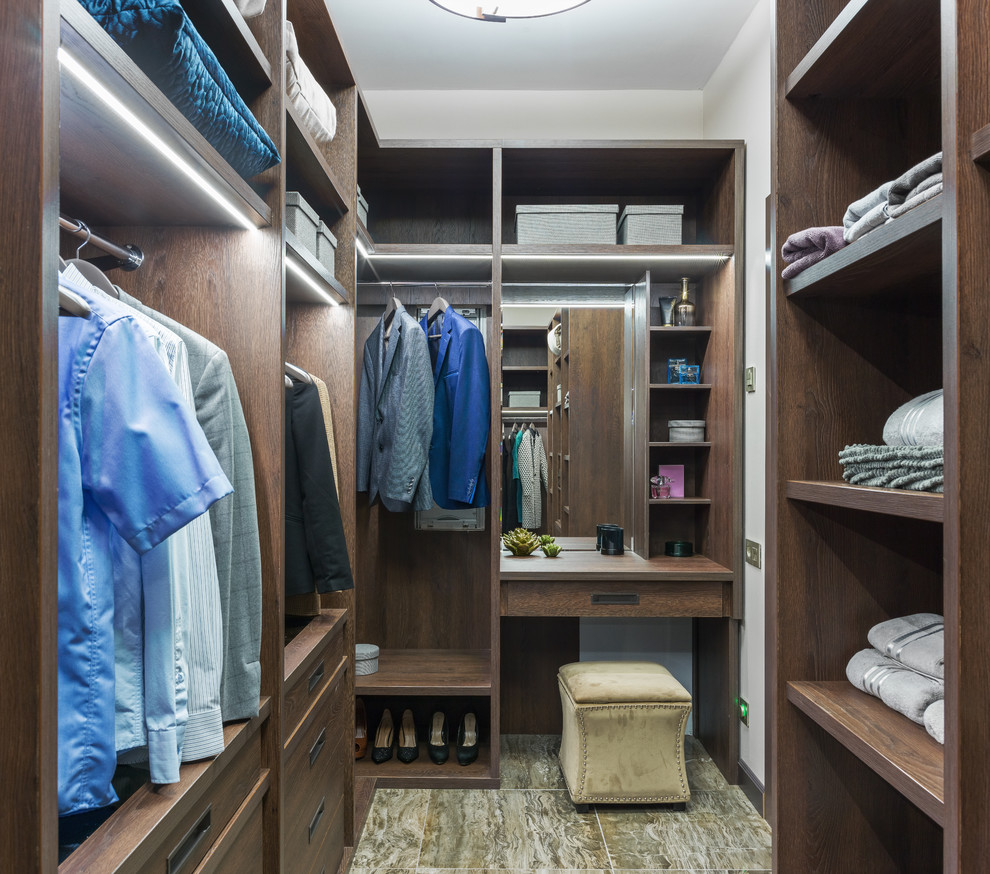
x: 438, y: 743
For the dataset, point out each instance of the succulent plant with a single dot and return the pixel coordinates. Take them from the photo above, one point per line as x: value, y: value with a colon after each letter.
x: 551, y: 550
x: 519, y: 541
x: 546, y: 538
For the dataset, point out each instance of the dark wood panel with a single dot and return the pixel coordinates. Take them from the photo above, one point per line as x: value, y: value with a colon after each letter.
x: 319, y: 45
x: 980, y: 148
x: 615, y: 598
x: 239, y: 846
x: 899, y: 750
x: 716, y: 679
x: 429, y: 672
x: 533, y: 648
x: 309, y: 172
x: 226, y: 32
x: 905, y: 254
x: 875, y: 48
x: 893, y: 502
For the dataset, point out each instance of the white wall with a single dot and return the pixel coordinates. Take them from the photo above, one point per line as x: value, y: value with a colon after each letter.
x: 507, y: 115
x: 737, y: 106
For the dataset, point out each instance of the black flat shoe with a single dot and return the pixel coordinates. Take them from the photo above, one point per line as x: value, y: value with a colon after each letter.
x: 438, y: 742
x: 467, y: 740
x: 384, y: 739
x: 408, y: 747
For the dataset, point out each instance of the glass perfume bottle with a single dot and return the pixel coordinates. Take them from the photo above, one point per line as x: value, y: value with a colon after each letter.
x: 660, y: 486
x: 684, y: 313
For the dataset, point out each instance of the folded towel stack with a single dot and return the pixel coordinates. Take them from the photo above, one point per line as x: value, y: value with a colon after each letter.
x: 809, y: 247
x: 905, y: 668
x: 918, y: 468
x: 865, y: 214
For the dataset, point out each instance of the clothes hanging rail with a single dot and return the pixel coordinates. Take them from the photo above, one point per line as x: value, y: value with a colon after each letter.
x: 125, y: 257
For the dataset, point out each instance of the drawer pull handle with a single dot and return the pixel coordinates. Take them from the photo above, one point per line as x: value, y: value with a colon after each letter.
x: 317, y: 748
x: 187, y: 846
x: 314, y: 824
x: 623, y: 598
x: 316, y: 676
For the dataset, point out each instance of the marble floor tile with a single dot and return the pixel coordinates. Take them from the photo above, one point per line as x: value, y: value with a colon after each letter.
x: 394, y: 830
x: 529, y: 761
x: 704, y: 774
x: 528, y: 830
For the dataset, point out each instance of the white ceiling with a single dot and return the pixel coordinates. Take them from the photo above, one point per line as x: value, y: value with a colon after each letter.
x: 602, y: 45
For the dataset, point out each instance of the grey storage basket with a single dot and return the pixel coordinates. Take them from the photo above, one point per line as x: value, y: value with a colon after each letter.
x: 566, y: 223
x: 365, y: 659
x: 302, y: 220
x: 652, y: 225
x: 326, y: 247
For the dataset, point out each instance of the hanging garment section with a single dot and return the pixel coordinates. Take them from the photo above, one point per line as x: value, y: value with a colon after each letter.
x: 524, y: 474
x: 159, y: 555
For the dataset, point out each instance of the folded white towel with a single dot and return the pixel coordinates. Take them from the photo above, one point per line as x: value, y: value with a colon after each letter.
x: 315, y: 108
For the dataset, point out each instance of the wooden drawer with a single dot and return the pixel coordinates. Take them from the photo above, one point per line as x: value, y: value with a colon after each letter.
x: 332, y: 850
x: 616, y: 598
x: 315, y: 771
x: 238, y: 849
x: 310, y: 676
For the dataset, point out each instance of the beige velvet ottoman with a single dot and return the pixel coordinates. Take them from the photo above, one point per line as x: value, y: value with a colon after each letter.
x: 623, y: 736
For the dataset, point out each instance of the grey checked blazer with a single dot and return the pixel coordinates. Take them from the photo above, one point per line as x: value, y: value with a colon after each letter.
x: 395, y: 416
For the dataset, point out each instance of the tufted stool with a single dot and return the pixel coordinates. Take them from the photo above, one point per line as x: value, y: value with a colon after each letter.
x: 623, y: 737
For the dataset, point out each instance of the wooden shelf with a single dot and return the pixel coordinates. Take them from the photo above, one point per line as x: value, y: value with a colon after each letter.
x: 157, y: 810
x: 429, y: 262
x: 315, y: 284
x: 525, y: 368
x: 604, y: 262
x: 424, y: 774
x: 904, y: 254
x: 222, y: 26
x: 102, y: 158
x: 681, y: 445
x: 980, y: 146
x: 310, y: 635
x: 681, y: 386
x: 308, y: 171
x: 319, y: 45
x: 428, y: 672
x: 874, y: 48
x: 927, y: 506
x: 673, y: 502
x: 900, y: 751
x: 680, y: 329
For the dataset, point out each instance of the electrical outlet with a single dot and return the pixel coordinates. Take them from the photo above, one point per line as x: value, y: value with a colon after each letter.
x: 743, y: 709
x: 754, y: 553
x: 750, y: 379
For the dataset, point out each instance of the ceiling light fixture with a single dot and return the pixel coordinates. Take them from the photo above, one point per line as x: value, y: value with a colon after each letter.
x: 500, y: 10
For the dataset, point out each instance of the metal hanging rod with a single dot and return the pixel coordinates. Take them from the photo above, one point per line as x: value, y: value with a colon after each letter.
x: 409, y: 284
x: 126, y: 257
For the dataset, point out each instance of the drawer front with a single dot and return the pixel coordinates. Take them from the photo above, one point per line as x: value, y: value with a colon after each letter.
x: 189, y: 842
x: 332, y: 850
x: 616, y: 598
x: 238, y: 850
x: 306, y: 687
x: 316, y: 770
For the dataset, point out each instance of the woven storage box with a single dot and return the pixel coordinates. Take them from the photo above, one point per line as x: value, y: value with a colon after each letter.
x: 302, y: 220
x: 524, y: 398
x: 326, y: 247
x: 365, y: 659
x: 651, y: 225
x: 686, y: 430
x: 570, y: 223
x: 362, y: 207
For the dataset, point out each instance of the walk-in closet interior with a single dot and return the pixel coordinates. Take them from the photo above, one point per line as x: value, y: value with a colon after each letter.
x: 218, y: 576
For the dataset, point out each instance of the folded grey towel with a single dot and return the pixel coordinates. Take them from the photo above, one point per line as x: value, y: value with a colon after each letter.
x: 916, y: 641
x: 808, y: 247
x: 935, y: 720
x: 914, y: 481
x: 904, y: 184
x: 900, y: 688
x: 893, y: 456
x: 872, y: 220
x: 919, y: 468
x: 924, y: 192
x: 858, y: 209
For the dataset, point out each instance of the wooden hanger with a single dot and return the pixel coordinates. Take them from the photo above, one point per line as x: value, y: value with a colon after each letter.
x: 298, y: 373
x: 391, y: 308
x: 438, y: 306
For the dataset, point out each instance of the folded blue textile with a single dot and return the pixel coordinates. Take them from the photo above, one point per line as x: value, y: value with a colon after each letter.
x: 161, y: 40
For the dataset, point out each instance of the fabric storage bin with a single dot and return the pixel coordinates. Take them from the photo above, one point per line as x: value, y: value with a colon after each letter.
x: 326, y: 247
x: 686, y: 430
x: 302, y: 220
x: 524, y: 398
x: 316, y: 110
x: 365, y: 659
x: 651, y: 225
x: 362, y: 207
x: 566, y: 223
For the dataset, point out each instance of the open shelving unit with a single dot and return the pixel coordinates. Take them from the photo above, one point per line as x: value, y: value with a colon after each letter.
x: 855, y: 785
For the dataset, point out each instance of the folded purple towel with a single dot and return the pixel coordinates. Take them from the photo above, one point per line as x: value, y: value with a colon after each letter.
x: 808, y: 247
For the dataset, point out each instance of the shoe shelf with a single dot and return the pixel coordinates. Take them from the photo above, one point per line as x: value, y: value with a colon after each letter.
x: 424, y: 774
x: 906, y: 253
x: 899, y: 750
x: 428, y: 672
x: 893, y: 502
x: 874, y: 48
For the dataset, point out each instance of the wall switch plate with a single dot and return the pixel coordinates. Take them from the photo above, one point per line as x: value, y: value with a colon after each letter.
x: 750, y: 379
x: 742, y: 708
x: 754, y: 553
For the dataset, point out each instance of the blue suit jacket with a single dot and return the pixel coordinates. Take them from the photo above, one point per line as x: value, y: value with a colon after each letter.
x: 461, y: 412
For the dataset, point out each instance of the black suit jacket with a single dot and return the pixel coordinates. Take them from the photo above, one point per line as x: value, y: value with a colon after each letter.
x: 315, y: 549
